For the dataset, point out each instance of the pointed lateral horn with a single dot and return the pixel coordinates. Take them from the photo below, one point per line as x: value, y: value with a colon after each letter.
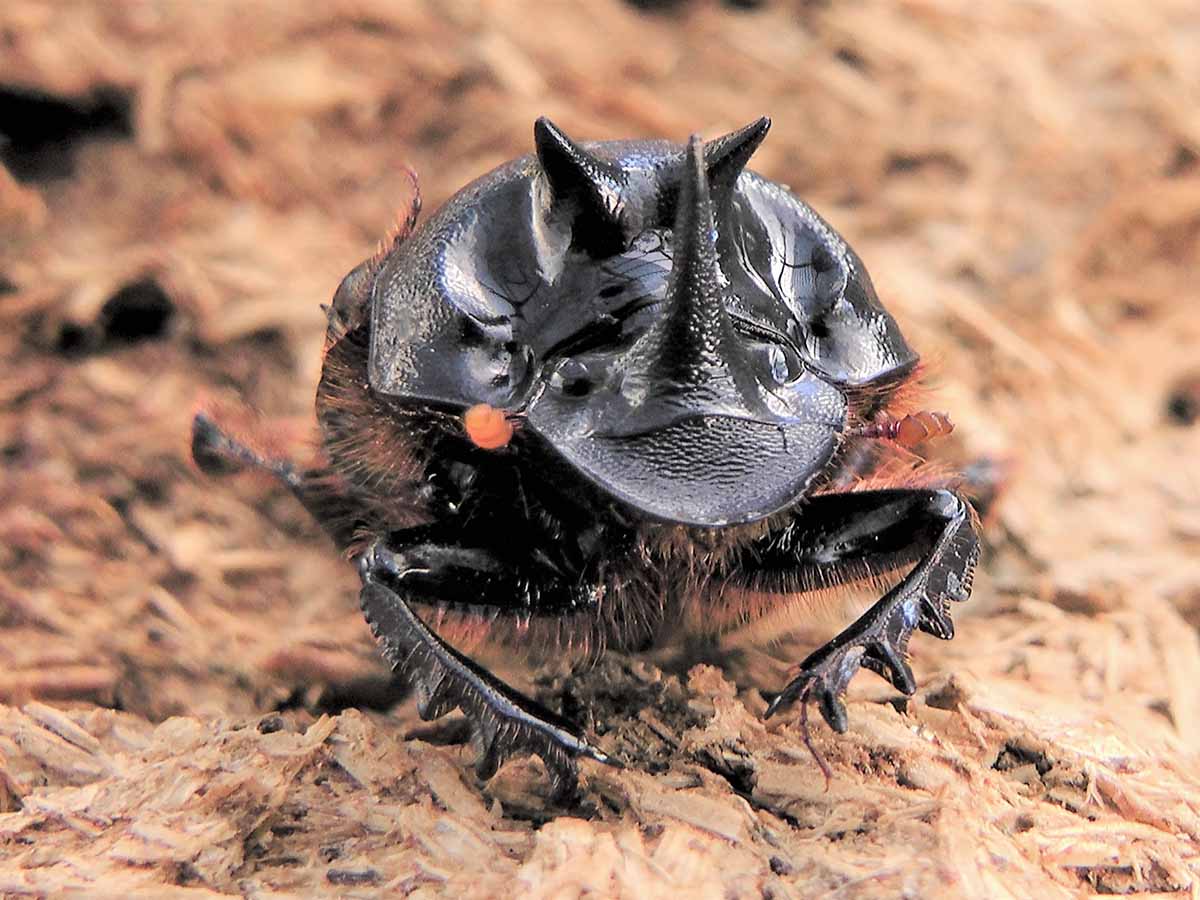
x: 594, y: 186
x: 725, y: 157
x: 696, y: 322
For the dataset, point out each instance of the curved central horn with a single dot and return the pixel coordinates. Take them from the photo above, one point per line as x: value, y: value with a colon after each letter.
x: 691, y: 344
x: 592, y: 188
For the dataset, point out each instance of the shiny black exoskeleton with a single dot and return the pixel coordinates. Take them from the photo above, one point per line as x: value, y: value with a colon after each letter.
x: 687, y: 367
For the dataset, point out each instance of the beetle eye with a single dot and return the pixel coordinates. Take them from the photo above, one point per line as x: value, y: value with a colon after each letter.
x: 783, y: 363
x: 571, y: 378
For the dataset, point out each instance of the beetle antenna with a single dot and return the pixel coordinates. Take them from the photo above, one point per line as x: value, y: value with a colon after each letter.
x: 909, y: 431
x: 414, y: 206
x: 401, y: 231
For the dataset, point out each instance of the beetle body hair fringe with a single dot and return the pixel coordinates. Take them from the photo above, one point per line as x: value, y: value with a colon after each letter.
x: 370, y: 442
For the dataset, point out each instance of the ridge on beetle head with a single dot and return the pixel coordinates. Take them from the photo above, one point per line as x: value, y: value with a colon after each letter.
x: 682, y: 331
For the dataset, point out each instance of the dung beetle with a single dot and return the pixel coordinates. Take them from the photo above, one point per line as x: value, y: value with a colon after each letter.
x: 607, y: 393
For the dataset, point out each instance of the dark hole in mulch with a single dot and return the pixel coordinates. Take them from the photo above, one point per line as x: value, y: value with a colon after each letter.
x: 1014, y: 755
x: 72, y: 339
x: 851, y: 57
x: 1184, y: 161
x: 1183, y: 401
x: 140, y: 311
x: 40, y: 132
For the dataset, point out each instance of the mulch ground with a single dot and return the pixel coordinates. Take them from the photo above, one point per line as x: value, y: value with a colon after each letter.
x: 192, y: 704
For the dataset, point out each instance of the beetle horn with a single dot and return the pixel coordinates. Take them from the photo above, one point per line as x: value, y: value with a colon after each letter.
x: 688, y: 341
x: 725, y: 157
x: 592, y: 187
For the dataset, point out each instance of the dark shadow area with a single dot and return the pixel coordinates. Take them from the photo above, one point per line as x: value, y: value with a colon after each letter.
x: 139, y: 311
x: 40, y: 132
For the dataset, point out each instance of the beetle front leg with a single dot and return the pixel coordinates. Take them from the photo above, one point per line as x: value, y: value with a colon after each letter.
x: 505, y: 722
x: 873, y: 531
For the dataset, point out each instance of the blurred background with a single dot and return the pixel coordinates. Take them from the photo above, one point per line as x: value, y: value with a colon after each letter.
x: 182, y: 185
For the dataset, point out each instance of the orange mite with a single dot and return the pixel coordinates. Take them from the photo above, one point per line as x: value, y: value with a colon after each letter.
x: 487, y: 427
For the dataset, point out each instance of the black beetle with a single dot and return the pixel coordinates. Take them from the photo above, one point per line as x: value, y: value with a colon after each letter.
x: 608, y: 391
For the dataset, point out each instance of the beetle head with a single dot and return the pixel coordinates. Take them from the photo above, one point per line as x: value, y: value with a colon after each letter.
x: 681, y: 331
x: 693, y: 421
